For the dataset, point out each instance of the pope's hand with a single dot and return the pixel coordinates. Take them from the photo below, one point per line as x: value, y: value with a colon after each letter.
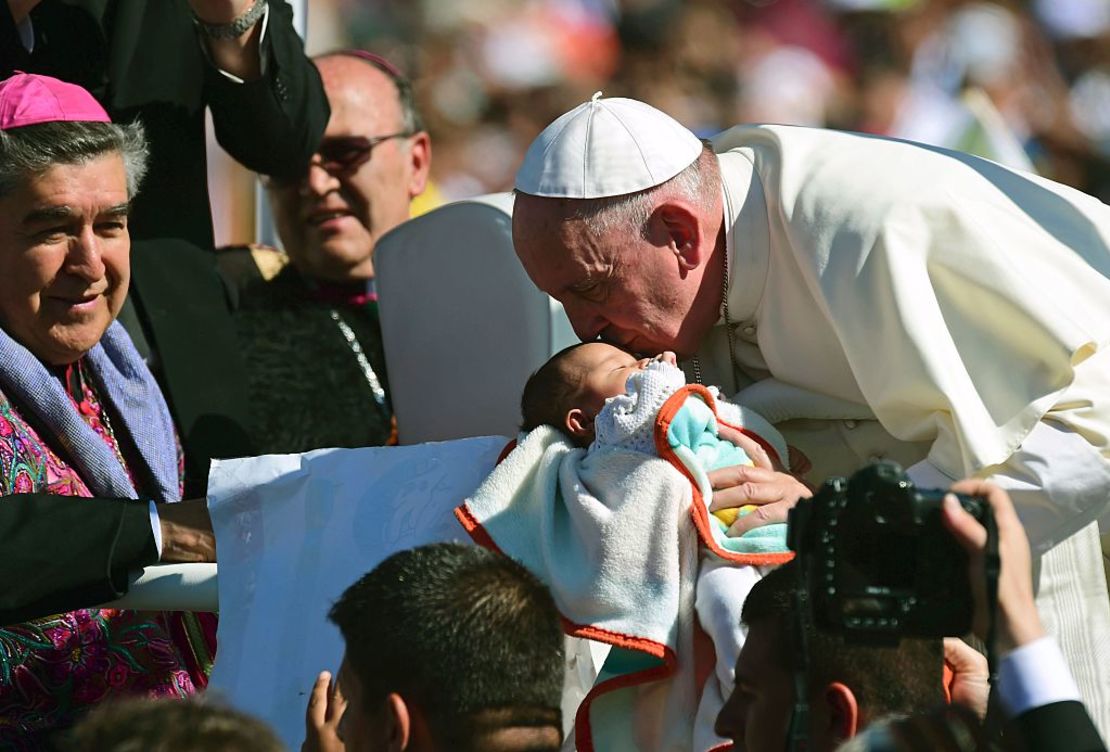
x: 326, y: 704
x: 772, y: 491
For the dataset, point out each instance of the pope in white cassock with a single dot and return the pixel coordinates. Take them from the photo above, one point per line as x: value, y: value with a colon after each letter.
x: 873, y: 298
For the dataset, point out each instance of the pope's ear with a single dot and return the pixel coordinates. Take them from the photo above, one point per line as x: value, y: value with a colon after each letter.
x: 578, y: 423
x: 678, y: 220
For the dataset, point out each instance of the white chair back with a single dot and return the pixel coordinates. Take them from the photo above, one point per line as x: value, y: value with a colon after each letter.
x: 463, y: 327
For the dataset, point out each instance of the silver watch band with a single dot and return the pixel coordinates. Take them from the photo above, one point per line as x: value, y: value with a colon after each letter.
x: 236, y: 28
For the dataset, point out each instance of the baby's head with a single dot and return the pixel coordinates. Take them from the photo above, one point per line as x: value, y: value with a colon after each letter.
x: 569, y: 390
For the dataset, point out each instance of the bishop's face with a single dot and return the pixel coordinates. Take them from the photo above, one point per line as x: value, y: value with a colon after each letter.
x: 619, y: 286
x: 64, y: 257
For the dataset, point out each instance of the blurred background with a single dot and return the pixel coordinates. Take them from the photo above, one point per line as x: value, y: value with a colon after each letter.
x: 1024, y: 83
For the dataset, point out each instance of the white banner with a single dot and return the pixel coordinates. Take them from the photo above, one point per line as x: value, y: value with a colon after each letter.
x: 293, y: 531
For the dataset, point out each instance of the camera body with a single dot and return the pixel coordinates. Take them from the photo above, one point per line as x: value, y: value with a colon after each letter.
x: 878, y: 561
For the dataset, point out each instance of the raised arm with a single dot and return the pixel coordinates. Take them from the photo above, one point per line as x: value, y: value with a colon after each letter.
x: 267, y: 101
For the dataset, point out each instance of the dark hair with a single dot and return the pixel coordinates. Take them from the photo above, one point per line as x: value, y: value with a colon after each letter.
x: 550, y: 392
x: 34, y: 149
x: 170, y: 725
x: 411, y: 120
x: 949, y: 728
x: 902, y: 679
x: 460, y: 631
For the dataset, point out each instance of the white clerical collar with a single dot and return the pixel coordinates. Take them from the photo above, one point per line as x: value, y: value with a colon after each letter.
x: 747, y: 237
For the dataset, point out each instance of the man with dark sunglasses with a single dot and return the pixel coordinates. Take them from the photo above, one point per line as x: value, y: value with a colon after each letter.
x: 307, y: 319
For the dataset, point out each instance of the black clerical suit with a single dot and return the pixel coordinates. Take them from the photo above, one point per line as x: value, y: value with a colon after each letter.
x: 65, y: 552
x: 1059, y: 726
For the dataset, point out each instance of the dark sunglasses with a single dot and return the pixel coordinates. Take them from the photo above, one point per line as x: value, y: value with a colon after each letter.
x: 343, y: 154
x: 347, y: 152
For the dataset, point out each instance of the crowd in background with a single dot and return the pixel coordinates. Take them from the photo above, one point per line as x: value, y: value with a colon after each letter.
x: 491, y: 74
x: 114, y: 311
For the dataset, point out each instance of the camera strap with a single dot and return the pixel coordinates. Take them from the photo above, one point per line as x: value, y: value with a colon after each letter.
x: 797, y: 738
x: 992, y: 568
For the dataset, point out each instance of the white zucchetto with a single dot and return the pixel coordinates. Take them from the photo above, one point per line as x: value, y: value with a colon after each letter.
x: 606, y: 147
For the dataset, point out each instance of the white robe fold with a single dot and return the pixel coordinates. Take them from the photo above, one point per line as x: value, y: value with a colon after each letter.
x: 907, y: 302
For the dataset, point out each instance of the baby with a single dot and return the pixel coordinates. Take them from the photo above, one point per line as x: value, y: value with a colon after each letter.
x: 598, y: 393
x: 570, y: 390
x: 612, y: 404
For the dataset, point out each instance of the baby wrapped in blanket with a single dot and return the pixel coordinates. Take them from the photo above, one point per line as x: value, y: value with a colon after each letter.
x: 628, y: 544
x: 601, y: 396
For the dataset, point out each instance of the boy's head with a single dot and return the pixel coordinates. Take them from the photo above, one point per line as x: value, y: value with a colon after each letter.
x: 450, y: 647
x: 570, y: 389
x: 850, y: 685
x: 197, y: 724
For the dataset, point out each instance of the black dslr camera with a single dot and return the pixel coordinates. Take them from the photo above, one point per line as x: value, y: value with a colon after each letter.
x: 877, y: 560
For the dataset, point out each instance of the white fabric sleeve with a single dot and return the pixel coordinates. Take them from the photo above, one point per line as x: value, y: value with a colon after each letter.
x: 927, y: 475
x: 1059, y: 483
x: 1034, y: 675
x: 261, y: 38
x: 156, y: 528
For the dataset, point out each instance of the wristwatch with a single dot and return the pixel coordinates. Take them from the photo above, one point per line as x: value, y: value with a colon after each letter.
x: 237, y: 27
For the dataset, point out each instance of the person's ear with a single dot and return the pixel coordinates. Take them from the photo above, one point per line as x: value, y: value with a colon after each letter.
x: 843, y: 708
x: 578, y: 423
x: 398, y: 723
x: 420, y: 156
x: 683, y: 235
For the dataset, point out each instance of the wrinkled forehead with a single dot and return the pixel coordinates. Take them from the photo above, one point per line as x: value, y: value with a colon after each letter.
x: 540, y: 214
x: 555, y: 250
x: 93, y: 182
x: 532, y: 218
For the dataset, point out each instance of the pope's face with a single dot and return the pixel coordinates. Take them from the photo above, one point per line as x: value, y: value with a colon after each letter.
x: 64, y: 257
x: 617, y: 286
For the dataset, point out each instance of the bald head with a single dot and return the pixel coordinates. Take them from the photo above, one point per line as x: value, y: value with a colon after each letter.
x: 372, y: 161
x: 371, y: 70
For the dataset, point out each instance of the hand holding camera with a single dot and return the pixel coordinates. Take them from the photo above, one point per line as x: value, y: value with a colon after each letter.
x: 878, y: 562
x: 1018, y: 622
x: 886, y: 560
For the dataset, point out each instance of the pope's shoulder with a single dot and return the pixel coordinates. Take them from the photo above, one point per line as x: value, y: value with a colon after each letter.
x: 821, y: 172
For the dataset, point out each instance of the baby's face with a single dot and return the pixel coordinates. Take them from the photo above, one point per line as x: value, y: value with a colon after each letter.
x: 607, y: 368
